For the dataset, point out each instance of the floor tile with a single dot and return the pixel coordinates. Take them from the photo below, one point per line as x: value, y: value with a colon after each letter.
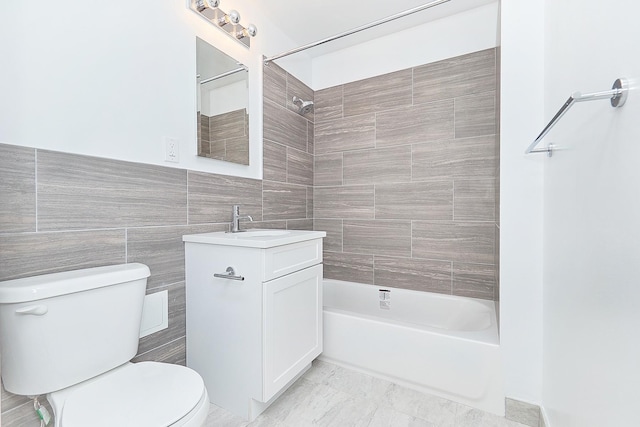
x: 328, y: 395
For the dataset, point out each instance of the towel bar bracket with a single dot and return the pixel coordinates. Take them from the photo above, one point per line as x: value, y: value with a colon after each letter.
x: 619, y: 98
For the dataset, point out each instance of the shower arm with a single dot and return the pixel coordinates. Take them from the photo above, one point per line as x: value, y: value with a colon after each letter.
x: 357, y: 29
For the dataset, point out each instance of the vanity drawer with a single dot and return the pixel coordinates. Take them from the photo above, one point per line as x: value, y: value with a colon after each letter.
x: 282, y: 260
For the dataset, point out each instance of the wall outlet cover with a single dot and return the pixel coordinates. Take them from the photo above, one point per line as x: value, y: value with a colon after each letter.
x: 172, y: 149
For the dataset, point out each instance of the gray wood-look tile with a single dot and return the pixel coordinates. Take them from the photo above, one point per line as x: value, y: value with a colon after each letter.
x: 284, y: 126
x: 522, y: 412
x: 274, y: 158
x: 377, y: 237
x: 352, y: 201
x: 162, y: 249
x: 328, y: 104
x: 237, y: 150
x: 23, y: 415
x: 349, y: 267
x: 378, y: 93
x: 299, y: 167
x: 327, y: 169
x: 415, y: 124
x: 296, y: 88
x: 12, y: 401
x: 283, y: 201
x: 428, y: 200
x: 277, y: 225
x: 310, y: 202
x: 455, y: 77
x: 455, y: 241
x: 172, y: 352
x: 380, y: 165
x: 204, y: 144
x: 470, y: 158
x: 80, y: 192
x: 413, y: 273
x: 350, y: 133
x: 333, y: 227
x: 31, y: 254
x: 17, y: 189
x: 300, y: 224
x: 473, y: 280
x: 228, y: 125
x: 275, y: 84
x: 474, y: 200
x: 211, y: 197
x: 217, y: 149
x: 176, y: 320
x: 311, y: 139
x: 475, y: 115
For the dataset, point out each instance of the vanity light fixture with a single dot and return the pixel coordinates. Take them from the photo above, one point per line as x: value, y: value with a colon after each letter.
x: 228, y: 22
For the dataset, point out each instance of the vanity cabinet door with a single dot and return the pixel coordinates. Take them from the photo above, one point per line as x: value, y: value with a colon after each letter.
x: 292, y: 310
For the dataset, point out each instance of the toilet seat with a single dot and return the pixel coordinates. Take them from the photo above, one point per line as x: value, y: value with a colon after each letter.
x: 134, y: 395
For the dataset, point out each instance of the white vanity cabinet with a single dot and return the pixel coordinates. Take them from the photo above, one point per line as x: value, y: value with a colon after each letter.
x: 249, y: 339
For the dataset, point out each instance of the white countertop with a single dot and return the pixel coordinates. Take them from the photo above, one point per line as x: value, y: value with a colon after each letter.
x: 255, y: 238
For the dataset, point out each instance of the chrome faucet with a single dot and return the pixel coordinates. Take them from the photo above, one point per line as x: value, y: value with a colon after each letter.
x: 235, y: 223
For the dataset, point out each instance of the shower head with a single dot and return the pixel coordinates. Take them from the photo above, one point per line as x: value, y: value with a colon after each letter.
x: 304, y: 107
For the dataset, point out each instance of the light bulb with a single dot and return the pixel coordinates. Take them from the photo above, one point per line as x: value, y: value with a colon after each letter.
x: 203, y: 5
x: 250, y: 31
x: 232, y: 17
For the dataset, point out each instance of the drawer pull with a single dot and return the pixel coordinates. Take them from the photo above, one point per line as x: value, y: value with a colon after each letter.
x: 230, y: 274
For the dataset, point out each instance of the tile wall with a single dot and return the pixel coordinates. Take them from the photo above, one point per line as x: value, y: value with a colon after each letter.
x: 224, y: 136
x: 405, y: 181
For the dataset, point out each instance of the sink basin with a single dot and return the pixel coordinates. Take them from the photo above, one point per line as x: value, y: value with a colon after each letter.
x: 255, y: 238
x: 261, y: 233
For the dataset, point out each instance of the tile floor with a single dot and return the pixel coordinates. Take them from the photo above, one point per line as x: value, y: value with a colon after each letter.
x: 332, y: 396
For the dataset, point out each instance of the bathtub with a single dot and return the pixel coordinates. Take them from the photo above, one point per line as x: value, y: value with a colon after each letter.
x: 438, y: 344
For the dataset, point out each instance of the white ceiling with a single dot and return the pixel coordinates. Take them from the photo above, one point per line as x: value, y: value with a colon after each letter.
x: 306, y: 21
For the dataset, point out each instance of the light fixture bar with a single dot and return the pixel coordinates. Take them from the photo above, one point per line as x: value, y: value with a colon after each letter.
x: 227, y: 22
x: 357, y: 29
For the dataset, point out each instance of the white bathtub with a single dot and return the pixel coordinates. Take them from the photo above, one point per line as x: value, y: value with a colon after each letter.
x: 439, y: 344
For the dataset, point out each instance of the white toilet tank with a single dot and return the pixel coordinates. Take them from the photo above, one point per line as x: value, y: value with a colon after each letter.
x: 59, y: 329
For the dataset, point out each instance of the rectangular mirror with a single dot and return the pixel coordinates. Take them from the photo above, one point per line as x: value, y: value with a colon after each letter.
x: 223, y: 101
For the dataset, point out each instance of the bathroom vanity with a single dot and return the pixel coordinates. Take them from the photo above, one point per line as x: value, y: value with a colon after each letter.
x: 254, y: 313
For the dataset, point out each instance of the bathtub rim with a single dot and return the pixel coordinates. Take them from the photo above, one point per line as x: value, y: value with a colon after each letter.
x: 489, y: 336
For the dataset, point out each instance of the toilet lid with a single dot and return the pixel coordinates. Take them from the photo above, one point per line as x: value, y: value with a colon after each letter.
x: 138, y: 395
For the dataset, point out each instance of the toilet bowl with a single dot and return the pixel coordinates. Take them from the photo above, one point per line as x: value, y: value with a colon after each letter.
x: 72, y: 335
x: 144, y: 394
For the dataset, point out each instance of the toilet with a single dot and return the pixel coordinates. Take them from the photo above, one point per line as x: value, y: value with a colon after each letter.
x: 72, y: 336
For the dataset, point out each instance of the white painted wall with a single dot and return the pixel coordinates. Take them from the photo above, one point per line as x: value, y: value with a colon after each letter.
x: 455, y: 35
x: 522, y: 46
x: 111, y: 79
x: 224, y: 99
x: 592, y: 219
